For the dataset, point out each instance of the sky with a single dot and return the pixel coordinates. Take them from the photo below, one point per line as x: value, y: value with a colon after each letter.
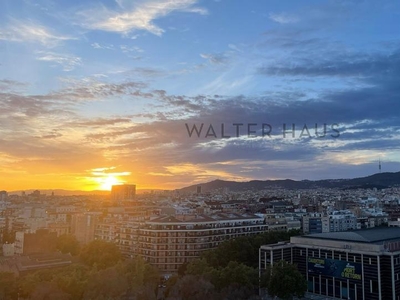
x: 169, y: 93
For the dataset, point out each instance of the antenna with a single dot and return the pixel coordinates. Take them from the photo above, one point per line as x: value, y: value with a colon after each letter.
x: 380, y: 166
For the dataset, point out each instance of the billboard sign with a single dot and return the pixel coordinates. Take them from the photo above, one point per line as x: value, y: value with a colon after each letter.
x: 335, y: 268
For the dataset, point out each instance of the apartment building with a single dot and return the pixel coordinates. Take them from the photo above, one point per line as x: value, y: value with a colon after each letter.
x: 167, y: 242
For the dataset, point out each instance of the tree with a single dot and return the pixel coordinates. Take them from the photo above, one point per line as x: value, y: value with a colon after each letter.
x: 48, y: 291
x: 237, y: 292
x: 68, y: 243
x: 236, y: 274
x: 70, y: 280
x: 142, y: 277
x: 190, y: 287
x: 106, y: 284
x: 245, y: 249
x: 100, y: 253
x: 285, y: 281
x: 73, y: 280
x: 8, y: 286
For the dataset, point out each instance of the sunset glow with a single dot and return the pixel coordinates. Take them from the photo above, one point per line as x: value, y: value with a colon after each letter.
x: 114, y: 92
x: 108, y: 182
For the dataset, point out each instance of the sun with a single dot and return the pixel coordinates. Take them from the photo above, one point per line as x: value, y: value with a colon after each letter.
x: 107, y: 182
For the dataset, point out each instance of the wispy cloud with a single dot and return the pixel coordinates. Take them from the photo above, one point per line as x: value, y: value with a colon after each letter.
x: 29, y: 31
x: 127, y: 49
x: 7, y: 84
x: 100, y: 46
x: 283, y: 18
x: 68, y: 62
x: 217, y: 59
x: 141, y: 17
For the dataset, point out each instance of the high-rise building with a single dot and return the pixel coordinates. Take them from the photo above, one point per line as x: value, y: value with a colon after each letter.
x: 3, y: 195
x: 198, y: 189
x: 123, y: 192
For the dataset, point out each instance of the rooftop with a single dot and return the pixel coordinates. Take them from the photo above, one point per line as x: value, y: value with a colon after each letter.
x: 373, y: 235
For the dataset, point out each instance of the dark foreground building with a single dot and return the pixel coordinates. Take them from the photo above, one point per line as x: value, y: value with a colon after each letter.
x: 361, y: 264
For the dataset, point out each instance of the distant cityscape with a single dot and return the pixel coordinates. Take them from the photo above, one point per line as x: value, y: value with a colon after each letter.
x: 171, y: 228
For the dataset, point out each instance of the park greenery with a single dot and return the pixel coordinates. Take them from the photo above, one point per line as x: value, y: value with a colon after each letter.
x: 228, y: 272
x: 231, y: 272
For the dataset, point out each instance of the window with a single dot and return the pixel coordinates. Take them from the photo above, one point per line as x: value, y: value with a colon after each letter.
x: 373, y: 286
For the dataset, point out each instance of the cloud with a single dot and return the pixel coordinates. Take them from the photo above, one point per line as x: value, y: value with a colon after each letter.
x: 140, y: 17
x: 358, y: 65
x: 68, y: 62
x: 86, y: 89
x: 367, y: 115
x: 29, y: 31
x: 234, y: 47
x: 99, y: 46
x: 127, y: 49
x: 7, y: 84
x: 217, y: 59
x: 283, y: 18
x: 99, y: 122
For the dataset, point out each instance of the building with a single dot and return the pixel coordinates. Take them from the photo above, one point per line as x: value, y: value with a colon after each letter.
x: 167, y: 242
x: 127, y: 241
x: 42, y: 241
x: 8, y: 249
x: 342, y: 220
x: 123, y: 192
x: 315, y: 223
x: 3, y: 195
x: 83, y: 226
x: 28, y: 264
x: 198, y: 189
x: 361, y: 264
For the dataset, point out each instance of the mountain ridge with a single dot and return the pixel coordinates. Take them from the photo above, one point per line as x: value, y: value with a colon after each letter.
x: 378, y: 180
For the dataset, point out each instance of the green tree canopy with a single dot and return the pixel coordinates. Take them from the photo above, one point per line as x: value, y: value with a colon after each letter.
x: 8, y: 286
x: 70, y: 280
x: 68, y: 243
x: 285, y: 281
x: 222, y: 277
x: 191, y: 287
x: 245, y: 249
x: 100, y: 253
x: 142, y: 277
x: 106, y: 284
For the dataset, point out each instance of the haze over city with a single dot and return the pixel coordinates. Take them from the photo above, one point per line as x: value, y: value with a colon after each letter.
x: 97, y: 93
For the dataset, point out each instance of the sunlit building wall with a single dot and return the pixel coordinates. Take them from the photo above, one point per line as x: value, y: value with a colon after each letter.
x: 123, y: 192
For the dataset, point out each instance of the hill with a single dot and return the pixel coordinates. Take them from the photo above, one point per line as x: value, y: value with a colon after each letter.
x: 380, y: 180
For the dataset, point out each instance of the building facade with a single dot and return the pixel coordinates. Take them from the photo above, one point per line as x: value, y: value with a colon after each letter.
x: 83, y: 226
x: 362, y: 264
x: 168, y: 242
x: 123, y: 192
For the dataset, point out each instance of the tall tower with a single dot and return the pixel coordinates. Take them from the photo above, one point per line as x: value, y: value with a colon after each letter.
x: 380, y: 166
x: 123, y: 192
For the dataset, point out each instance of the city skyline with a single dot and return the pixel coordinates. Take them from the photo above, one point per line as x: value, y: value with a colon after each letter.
x: 98, y: 93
